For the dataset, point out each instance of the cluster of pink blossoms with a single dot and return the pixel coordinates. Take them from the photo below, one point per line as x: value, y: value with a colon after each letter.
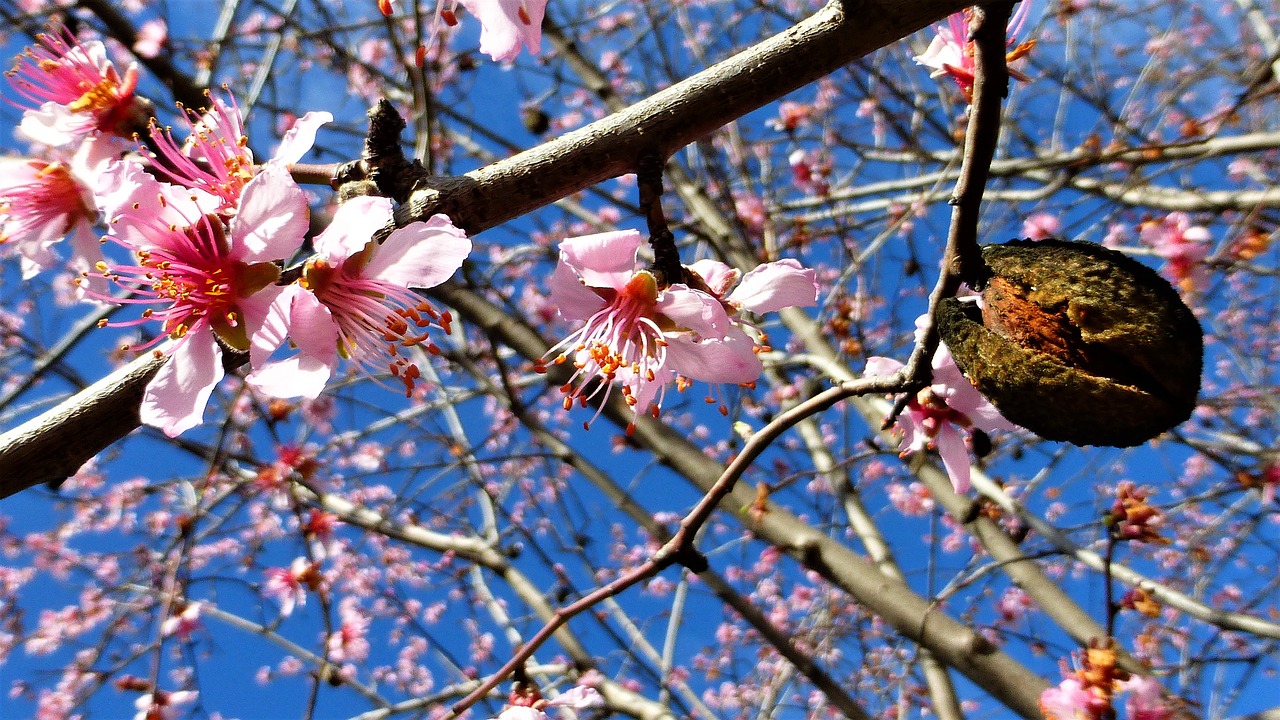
x: 76, y: 97
x: 208, y: 231
x: 642, y: 336
x: 1075, y: 699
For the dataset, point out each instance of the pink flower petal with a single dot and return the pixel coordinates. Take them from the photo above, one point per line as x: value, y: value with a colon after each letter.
x: 273, y: 218
x: 718, y: 276
x: 352, y: 227
x: 131, y: 197
x: 504, y: 31
x: 776, y: 285
x: 574, y: 300
x: 420, y: 254
x: 176, y: 397
x: 603, y: 260
x: 881, y: 366
x: 578, y: 697
x: 962, y: 396
x: 297, y: 313
x: 955, y: 456
x: 270, y: 327
x: 300, y: 376
x: 694, y: 310
x: 728, y: 360
x: 313, y: 329
x: 299, y: 139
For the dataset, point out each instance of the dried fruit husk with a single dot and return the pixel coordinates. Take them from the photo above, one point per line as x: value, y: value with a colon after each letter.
x: 1077, y: 342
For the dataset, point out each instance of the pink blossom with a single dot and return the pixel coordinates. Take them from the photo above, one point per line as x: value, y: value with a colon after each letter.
x: 41, y: 202
x: 940, y: 415
x: 1071, y: 700
x: 635, y: 332
x: 288, y: 586
x: 809, y: 171
x: 162, y: 705
x: 152, y: 36
x: 184, y: 623
x: 791, y: 115
x: 213, y: 280
x: 1183, y: 246
x: 1270, y: 478
x: 1013, y: 604
x: 506, y: 25
x: 912, y: 500
x: 354, y: 300
x: 216, y: 157
x: 751, y: 211
x: 950, y: 52
x: 349, y: 643
x: 1144, y: 700
x: 1041, y: 226
x: 77, y: 91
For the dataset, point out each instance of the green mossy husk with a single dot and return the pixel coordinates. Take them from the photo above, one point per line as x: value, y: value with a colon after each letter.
x: 1114, y: 357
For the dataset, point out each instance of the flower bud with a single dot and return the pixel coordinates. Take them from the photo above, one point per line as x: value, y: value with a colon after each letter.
x: 1077, y: 342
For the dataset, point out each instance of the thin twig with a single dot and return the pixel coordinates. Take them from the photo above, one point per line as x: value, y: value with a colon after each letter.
x: 962, y: 258
x: 680, y: 547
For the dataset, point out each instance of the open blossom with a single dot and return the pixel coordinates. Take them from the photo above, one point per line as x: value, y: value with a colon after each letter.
x: 942, y: 414
x: 1041, y: 226
x: 950, y: 52
x: 211, y: 279
x: 1183, y: 246
x: 184, y: 623
x: 152, y: 37
x: 354, y: 300
x: 161, y: 705
x: 43, y: 201
x: 216, y: 157
x: 349, y: 643
x: 631, y: 325
x: 288, y: 586
x: 1145, y: 701
x: 76, y: 90
x: 506, y: 25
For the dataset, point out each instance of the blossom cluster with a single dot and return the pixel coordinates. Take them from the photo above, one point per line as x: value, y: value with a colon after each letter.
x: 527, y: 703
x: 208, y: 231
x: 1089, y: 691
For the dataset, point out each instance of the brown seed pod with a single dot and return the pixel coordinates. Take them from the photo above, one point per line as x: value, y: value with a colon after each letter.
x: 1077, y: 342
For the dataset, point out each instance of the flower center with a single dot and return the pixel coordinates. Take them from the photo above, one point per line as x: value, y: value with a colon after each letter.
x: 936, y: 413
x: 97, y: 98
x: 625, y: 336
